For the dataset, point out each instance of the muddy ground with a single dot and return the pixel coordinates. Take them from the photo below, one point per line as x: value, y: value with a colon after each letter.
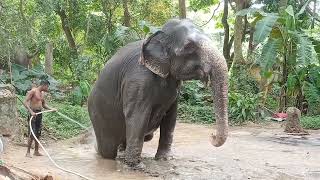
x: 251, y: 152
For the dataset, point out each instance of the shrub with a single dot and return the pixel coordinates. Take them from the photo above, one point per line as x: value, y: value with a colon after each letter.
x: 61, y: 127
x: 310, y: 122
x: 243, y: 107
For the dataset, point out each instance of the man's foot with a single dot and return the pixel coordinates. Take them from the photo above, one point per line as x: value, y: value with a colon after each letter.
x: 28, y: 155
x: 37, y: 154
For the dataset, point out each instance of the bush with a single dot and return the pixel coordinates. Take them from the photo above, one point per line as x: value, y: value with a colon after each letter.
x: 310, y: 122
x: 243, y: 107
x: 80, y: 94
x: 195, y: 113
x: 196, y: 105
x: 61, y: 127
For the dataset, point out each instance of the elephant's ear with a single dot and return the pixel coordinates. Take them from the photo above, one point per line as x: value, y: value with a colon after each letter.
x: 154, y: 54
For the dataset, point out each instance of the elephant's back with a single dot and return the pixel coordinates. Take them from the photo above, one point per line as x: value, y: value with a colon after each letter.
x: 107, y: 89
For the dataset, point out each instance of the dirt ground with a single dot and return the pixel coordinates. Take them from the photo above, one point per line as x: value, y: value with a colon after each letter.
x: 251, y: 152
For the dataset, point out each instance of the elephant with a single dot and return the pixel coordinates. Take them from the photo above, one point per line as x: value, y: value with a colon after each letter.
x: 137, y: 90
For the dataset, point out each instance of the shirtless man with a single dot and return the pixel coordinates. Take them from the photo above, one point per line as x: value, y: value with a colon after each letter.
x: 34, y: 102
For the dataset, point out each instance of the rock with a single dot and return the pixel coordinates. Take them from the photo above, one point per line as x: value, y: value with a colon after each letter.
x: 9, y: 124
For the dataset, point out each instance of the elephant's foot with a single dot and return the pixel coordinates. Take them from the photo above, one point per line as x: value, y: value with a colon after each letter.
x: 137, y: 167
x: 134, y: 163
x: 164, y: 155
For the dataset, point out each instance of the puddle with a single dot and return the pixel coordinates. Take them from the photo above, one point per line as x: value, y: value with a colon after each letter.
x: 295, y: 140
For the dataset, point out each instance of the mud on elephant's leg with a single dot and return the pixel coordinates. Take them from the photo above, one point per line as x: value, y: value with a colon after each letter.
x: 136, y: 122
x: 122, y: 149
x: 166, y: 134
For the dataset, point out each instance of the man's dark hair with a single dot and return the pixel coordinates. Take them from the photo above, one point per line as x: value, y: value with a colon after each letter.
x: 44, y: 82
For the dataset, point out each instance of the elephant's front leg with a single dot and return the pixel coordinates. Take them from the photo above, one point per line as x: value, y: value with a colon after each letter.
x: 136, y: 122
x: 166, y: 133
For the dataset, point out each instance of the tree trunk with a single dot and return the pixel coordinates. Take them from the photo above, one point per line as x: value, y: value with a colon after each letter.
x: 251, y: 47
x: 283, y: 95
x: 293, y: 122
x: 66, y: 28
x: 224, y: 21
x: 49, y: 58
x: 314, y: 13
x: 126, y: 14
x: 238, y: 33
x: 182, y: 9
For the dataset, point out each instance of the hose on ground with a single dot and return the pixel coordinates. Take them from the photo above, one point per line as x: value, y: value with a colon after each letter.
x: 59, y: 167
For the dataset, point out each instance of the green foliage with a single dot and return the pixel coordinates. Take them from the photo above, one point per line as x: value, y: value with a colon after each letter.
x: 286, y: 41
x: 196, y: 5
x: 80, y: 93
x: 243, y: 107
x: 264, y: 27
x: 63, y: 128
x: 312, y: 94
x: 24, y: 78
x: 305, y: 51
x: 155, y: 11
x: 241, y: 81
x: 310, y: 122
x: 195, y: 113
x: 195, y: 103
x: 269, y: 54
x: 194, y: 93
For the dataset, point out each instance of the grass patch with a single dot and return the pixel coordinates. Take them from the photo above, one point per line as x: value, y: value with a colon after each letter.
x: 63, y: 128
x: 310, y: 122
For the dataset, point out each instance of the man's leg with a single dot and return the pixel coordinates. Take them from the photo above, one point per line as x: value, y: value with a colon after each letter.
x: 38, y: 125
x: 36, y: 149
x: 30, y: 138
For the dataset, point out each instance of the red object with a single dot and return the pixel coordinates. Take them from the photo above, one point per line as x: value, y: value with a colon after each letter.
x: 280, y: 115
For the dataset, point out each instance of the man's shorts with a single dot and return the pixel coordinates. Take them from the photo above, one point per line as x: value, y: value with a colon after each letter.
x: 36, y: 124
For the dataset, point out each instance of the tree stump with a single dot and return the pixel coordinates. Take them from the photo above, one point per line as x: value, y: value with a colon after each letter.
x: 293, y: 122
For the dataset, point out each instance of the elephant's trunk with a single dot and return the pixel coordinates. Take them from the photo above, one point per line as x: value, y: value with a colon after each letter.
x: 216, y: 67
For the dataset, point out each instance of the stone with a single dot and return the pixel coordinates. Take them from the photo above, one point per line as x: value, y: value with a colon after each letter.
x: 8, y: 110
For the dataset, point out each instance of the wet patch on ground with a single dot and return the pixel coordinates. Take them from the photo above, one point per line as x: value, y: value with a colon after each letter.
x: 249, y: 153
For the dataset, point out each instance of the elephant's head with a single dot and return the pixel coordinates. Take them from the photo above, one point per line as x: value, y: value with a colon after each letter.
x: 183, y: 51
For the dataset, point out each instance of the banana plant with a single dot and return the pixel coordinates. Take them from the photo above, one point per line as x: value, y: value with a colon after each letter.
x: 285, y: 48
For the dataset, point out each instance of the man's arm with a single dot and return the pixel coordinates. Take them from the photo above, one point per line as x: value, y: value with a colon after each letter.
x: 29, y: 96
x: 44, y: 105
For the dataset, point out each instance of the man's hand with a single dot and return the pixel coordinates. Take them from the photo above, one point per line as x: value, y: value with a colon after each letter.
x: 54, y: 109
x: 33, y: 114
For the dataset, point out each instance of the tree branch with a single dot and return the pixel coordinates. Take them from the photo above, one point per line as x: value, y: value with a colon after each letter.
x: 214, y: 12
x: 66, y: 28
